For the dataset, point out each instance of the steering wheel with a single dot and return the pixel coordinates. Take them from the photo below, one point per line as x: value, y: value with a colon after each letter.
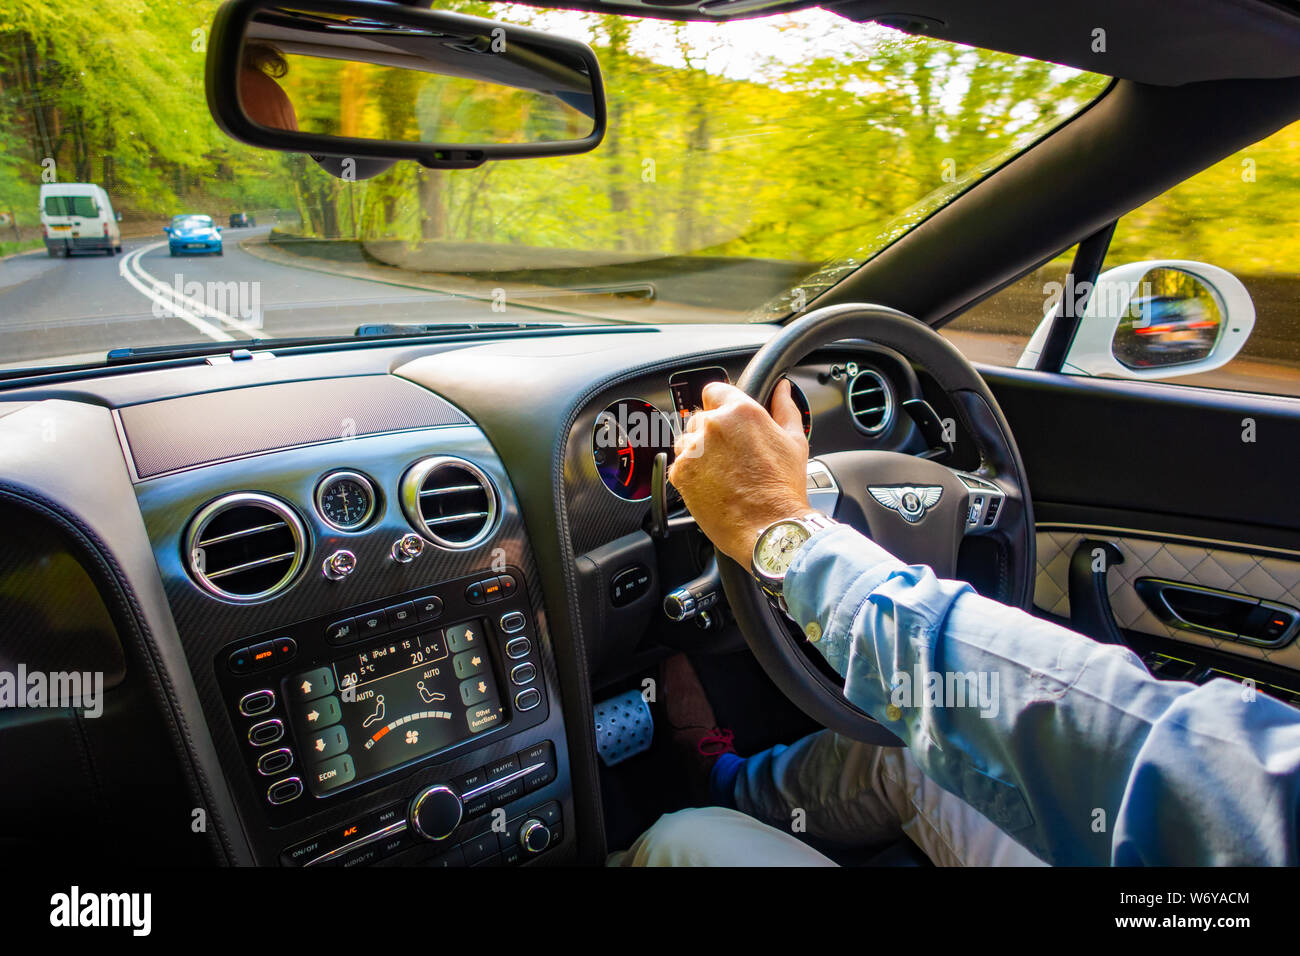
x: 903, y: 514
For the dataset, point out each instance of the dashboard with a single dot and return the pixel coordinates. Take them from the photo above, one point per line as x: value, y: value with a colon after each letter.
x: 376, y: 587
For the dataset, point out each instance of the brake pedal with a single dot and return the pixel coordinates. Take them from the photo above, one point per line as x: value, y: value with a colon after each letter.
x: 624, y: 727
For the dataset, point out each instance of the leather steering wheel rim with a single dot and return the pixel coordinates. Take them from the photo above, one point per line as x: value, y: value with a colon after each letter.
x: 777, y: 651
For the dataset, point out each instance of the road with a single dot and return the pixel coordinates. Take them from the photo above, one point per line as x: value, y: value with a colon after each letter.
x: 78, y: 308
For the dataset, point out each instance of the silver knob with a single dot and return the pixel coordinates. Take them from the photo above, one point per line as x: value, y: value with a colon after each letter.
x: 339, y: 565
x: 534, y: 836
x: 407, y: 548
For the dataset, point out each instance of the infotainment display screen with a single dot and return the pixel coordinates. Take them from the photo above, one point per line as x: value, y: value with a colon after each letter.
x: 398, y: 700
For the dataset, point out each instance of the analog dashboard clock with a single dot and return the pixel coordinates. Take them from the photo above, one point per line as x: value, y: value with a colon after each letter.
x: 345, y: 500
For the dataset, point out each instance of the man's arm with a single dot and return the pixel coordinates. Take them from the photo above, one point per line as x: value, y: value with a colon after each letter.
x: 1072, y: 748
x: 1068, y: 745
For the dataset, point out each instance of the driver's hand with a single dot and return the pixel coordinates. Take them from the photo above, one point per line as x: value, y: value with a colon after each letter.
x: 739, y: 469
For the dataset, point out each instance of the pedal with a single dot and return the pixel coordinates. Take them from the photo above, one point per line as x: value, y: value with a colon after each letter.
x: 624, y: 727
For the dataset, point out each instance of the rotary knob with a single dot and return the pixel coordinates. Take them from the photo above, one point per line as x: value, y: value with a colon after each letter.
x: 339, y: 565
x: 534, y: 836
x: 436, y: 812
x: 407, y: 548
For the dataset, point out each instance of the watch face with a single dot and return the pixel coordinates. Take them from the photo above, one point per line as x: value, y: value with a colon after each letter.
x: 777, y: 546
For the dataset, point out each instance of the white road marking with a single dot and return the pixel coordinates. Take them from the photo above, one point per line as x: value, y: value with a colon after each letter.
x: 185, y: 307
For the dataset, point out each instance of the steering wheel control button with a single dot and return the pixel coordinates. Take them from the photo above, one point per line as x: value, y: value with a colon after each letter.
x: 522, y: 674
x: 342, y: 632
x: 813, y: 631
x: 436, y: 812
x: 513, y: 621
x: 339, y: 565
x: 534, y: 836
x: 312, y: 684
x: 428, y: 608
x: 464, y: 637
x: 468, y: 664
x: 275, y: 762
x: 518, y: 648
x: 266, y: 733
x: 284, y: 791
x: 257, y: 703
x: 528, y: 699
x: 331, y: 774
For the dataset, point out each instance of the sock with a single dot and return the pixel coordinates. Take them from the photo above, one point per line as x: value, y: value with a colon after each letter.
x: 722, y: 779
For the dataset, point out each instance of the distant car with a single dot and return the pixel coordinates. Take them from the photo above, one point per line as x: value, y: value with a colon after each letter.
x: 77, y: 217
x: 241, y: 219
x: 191, y: 234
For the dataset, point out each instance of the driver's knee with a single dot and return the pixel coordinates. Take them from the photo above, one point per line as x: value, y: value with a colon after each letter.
x: 716, y: 836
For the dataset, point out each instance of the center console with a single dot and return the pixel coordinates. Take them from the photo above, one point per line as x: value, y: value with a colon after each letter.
x: 371, y: 650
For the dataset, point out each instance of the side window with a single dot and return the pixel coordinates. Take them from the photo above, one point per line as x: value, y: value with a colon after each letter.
x: 997, y: 330
x: 1233, y: 233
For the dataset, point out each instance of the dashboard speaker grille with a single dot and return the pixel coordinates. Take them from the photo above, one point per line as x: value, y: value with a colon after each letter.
x: 245, y: 547
x: 450, y: 501
x: 870, y: 401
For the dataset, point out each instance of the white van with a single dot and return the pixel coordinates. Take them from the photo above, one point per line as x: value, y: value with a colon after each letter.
x: 78, y: 216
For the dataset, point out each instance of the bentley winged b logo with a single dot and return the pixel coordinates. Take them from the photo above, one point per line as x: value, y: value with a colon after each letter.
x: 910, y: 502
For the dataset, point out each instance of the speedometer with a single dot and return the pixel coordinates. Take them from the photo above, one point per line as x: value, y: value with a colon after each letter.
x: 627, y: 437
x: 346, y: 500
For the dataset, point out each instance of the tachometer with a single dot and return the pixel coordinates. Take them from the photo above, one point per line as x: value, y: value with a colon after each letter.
x: 346, y: 500
x: 627, y: 437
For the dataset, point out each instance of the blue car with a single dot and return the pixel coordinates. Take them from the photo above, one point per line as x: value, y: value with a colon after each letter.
x: 191, y: 234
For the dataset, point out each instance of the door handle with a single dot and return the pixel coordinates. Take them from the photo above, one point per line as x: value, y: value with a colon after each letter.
x: 1222, y: 614
x: 1090, y: 611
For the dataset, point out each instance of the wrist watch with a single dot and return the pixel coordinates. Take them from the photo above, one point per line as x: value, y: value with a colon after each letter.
x: 778, y: 544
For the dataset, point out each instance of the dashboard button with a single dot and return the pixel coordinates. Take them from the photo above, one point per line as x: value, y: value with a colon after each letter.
x: 257, y: 703
x: 470, y: 782
x: 507, y: 584
x: 528, y: 699
x: 474, y: 593
x: 473, y: 690
x: 548, y: 813
x: 265, y: 733
x: 492, y: 589
x: 540, y: 752
x: 263, y: 655
x: 372, y: 623
x: 312, y: 684
x: 400, y: 615
x: 518, y: 648
x: 332, y: 774
x: 284, y: 791
x: 522, y: 674
x: 536, y: 779
x: 513, y: 621
x: 321, y: 712
x: 468, y: 664
x: 327, y: 743
x: 428, y: 608
x: 286, y: 649
x: 240, y: 661
x: 275, y: 762
x: 341, y: 632
x: 464, y: 637
x: 502, y: 768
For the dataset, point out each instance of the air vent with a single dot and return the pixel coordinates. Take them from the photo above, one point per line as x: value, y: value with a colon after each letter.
x: 870, y: 401
x: 245, y: 547
x: 450, y: 501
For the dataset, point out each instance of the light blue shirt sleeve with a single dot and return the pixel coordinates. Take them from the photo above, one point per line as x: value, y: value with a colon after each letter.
x: 1069, y: 746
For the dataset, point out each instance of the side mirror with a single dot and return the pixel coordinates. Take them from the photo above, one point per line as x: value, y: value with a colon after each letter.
x: 360, y: 82
x: 167, y: 229
x: 1154, y: 319
x: 117, y: 216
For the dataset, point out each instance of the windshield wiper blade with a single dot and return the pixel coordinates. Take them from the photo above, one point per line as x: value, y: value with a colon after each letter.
x: 454, y: 328
x: 138, y: 353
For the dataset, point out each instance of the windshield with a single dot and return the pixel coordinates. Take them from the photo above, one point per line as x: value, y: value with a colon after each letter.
x: 747, y: 166
x: 192, y: 222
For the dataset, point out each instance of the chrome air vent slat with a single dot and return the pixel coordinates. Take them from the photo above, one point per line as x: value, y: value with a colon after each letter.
x: 245, y: 547
x: 870, y: 401
x: 450, y: 501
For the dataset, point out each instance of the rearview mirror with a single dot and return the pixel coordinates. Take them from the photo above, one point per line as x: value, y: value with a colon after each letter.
x: 1154, y: 319
x: 361, y: 79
